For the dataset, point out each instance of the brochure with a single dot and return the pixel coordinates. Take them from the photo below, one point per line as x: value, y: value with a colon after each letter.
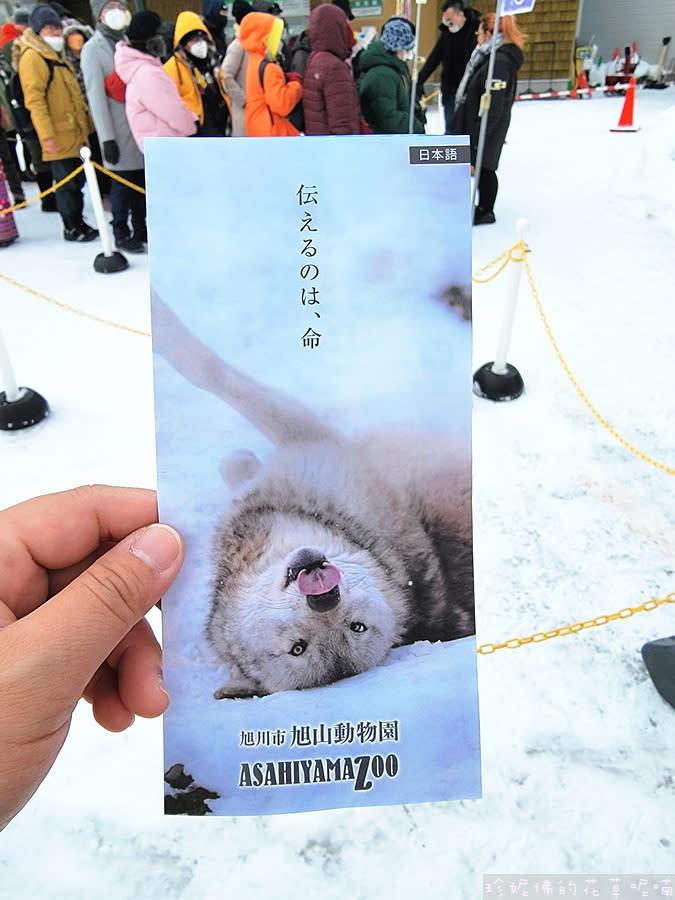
x: 311, y: 318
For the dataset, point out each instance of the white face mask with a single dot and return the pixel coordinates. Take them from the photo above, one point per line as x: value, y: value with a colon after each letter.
x: 200, y: 49
x: 117, y: 19
x: 55, y: 41
x: 453, y: 29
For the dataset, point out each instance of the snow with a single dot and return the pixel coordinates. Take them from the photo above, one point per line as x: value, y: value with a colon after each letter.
x: 577, y: 744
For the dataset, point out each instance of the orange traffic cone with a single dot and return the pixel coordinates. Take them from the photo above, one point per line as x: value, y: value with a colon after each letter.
x: 626, y: 117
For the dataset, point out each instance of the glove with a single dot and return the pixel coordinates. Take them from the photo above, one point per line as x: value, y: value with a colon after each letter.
x: 111, y: 152
x: 295, y: 76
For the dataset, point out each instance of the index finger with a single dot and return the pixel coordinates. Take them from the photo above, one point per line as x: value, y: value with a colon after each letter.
x: 55, y: 531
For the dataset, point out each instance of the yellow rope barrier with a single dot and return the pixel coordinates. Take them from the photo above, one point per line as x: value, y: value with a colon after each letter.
x: 517, y: 253
x: 50, y: 190
x: 55, y: 187
x: 119, y: 178
x: 72, y: 309
x: 540, y: 636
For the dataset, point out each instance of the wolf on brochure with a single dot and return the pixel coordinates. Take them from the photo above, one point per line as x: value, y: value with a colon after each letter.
x: 311, y: 323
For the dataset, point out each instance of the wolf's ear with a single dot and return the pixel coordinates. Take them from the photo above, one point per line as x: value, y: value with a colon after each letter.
x: 238, y: 468
x: 238, y: 688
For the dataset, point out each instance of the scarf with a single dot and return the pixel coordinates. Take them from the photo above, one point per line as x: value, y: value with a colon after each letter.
x: 480, y: 53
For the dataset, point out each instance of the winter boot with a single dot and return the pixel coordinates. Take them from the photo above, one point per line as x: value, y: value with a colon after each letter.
x: 484, y: 217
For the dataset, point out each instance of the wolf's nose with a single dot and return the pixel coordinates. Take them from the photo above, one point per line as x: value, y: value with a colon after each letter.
x: 304, y: 559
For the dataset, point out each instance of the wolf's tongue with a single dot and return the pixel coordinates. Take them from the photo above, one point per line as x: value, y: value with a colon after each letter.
x: 318, y: 581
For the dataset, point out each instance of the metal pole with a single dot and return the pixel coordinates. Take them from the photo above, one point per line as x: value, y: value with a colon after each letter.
x: 413, y: 89
x: 484, y: 110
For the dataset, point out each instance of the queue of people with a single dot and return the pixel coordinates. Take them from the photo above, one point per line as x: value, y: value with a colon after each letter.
x: 134, y: 77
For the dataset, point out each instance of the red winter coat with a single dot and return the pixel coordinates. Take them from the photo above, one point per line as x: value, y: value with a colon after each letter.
x: 329, y: 98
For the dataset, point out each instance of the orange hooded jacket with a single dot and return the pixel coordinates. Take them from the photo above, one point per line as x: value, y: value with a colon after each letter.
x: 266, y: 108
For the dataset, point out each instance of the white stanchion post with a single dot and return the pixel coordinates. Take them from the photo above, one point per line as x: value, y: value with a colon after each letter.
x: 499, y: 380
x: 19, y: 406
x: 110, y: 260
x: 506, y: 330
x: 7, y: 374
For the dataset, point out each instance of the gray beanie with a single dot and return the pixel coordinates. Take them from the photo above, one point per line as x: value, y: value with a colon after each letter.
x: 21, y: 15
x: 398, y: 34
x: 44, y: 15
x: 97, y: 8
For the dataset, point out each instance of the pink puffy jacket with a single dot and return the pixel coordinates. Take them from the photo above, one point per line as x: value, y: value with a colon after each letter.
x: 153, y: 105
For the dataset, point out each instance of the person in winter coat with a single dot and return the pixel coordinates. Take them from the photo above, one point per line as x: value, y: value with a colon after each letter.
x: 214, y: 14
x: 106, y: 100
x: 194, y: 67
x: 234, y: 70
x: 451, y: 51
x: 36, y: 169
x: 11, y: 31
x: 8, y: 229
x: 153, y: 105
x: 466, y: 120
x: 267, y: 105
x: 284, y: 56
x: 75, y: 36
x: 58, y: 112
x: 7, y: 157
x: 302, y: 46
x: 330, y: 99
x: 385, y: 83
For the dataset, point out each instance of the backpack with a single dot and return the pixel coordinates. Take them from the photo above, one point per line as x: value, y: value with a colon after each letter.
x: 297, y: 115
x: 22, y: 119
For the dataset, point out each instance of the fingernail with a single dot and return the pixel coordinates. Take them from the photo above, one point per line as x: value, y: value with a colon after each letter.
x: 158, y: 545
x: 160, y: 682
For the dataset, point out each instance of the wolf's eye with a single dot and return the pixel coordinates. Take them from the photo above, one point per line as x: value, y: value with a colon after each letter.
x: 298, y: 648
x: 358, y: 627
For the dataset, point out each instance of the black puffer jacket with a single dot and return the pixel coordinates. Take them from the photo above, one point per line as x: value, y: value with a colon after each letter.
x: 451, y: 52
x: 508, y: 60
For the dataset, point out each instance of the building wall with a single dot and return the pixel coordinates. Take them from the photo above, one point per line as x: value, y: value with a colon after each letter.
x: 549, y: 49
x: 617, y: 23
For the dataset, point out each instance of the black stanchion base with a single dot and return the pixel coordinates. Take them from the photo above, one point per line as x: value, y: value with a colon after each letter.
x: 492, y: 386
x: 29, y: 409
x: 116, y: 262
x: 659, y: 657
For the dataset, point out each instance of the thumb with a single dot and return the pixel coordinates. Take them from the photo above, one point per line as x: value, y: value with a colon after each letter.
x: 84, y: 622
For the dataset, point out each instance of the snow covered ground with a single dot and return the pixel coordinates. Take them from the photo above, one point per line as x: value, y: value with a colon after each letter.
x: 578, y: 766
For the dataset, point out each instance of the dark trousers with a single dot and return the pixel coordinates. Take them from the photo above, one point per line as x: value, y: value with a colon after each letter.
x: 31, y: 142
x: 69, y: 200
x: 448, y: 110
x: 125, y: 201
x: 9, y: 165
x: 487, y: 189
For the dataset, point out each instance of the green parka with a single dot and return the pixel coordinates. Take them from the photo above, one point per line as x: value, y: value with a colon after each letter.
x: 384, y: 91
